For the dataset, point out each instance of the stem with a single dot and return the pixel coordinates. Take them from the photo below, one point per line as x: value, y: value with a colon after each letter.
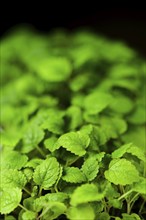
x: 40, y: 191
x: 105, y: 205
x: 22, y: 207
x: 27, y: 191
x: 40, y: 151
x: 68, y: 164
x: 55, y: 188
x: 44, y: 212
x: 125, y: 194
x: 142, y: 205
x: 128, y: 208
x: 133, y: 200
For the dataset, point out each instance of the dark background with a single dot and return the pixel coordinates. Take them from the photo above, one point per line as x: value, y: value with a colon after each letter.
x: 128, y: 25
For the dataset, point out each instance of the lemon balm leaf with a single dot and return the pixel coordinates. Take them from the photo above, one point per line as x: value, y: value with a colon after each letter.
x: 32, y: 138
x: 129, y: 148
x: 13, y: 160
x: 13, y: 178
x: 82, y: 212
x: 86, y: 193
x: 90, y: 168
x: 46, y: 173
x: 96, y: 102
x: 10, y: 199
x: 76, y: 142
x: 54, y: 69
x: 117, y: 175
x: 73, y: 175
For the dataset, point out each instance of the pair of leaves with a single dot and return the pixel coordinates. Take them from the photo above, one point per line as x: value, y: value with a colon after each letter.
x: 88, y: 172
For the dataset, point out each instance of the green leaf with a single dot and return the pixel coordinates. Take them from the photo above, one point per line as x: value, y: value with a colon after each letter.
x: 79, y: 82
x: 111, y: 192
x: 104, y: 216
x: 75, y: 116
x: 49, y: 197
x: 33, y: 162
x: 138, y: 116
x: 13, y: 160
x: 13, y: 178
x: 53, y: 121
x: 113, y: 126
x: 73, y: 175
x: 115, y: 203
x: 90, y: 168
x: 28, y: 203
x: 28, y: 172
x: 140, y: 187
x: 117, y: 175
x: 29, y: 215
x: 121, y: 104
x: 133, y: 216
x: 10, y: 217
x: 76, y: 142
x: 121, y: 70
x: 54, y: 69
x: 50, y: 142
x: 46, y: 173
x: 86, y: 193
x: 136, y: 135
x: 129, y: 148
x: 32, y: 138
x: 82, y: 212
x: 10, y: 199
x: 96, y: 102
x: 54, y: 210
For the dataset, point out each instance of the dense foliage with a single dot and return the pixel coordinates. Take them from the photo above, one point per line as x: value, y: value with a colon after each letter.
x: 72, y: 128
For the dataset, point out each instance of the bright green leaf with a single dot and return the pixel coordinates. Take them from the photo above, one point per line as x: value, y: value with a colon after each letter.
x: 32, y: 138
x: 49, y: 143
x: 46, y: 173
x: 113, y: 126
x: 29, y: 215
x: 86, y: 193
x: 129, y: 148
x: 75, y: 117
x: 90, y: 168
x: 13, y: 178
x: 76, y: 142
x: 54, y: 69
x: 73, y: 175
x: 117, y: 175
x: 13, y: 160
x: 96, y: 102
x: 82, y: 212
x: 140, y: 186
x: 10, y: 199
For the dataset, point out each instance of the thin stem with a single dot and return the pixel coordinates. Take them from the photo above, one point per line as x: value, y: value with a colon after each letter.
x: 44, y: 212
x: 68, y: 164
x: 133, y: 200
x: 105, y: 205
x: 40, y: 191
x: 27, y: 191
x: 40, y: 151
x: 142, y: 205
x: 22, y: 207
x: 125, y: 194
x: 128, y: 208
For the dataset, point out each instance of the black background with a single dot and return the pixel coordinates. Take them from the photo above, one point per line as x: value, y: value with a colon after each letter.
x: 128, y: 25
